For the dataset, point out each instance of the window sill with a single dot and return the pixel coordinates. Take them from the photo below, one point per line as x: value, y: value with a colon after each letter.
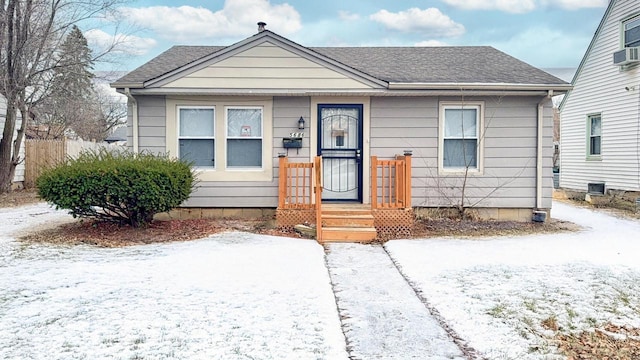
x: 459, y: 171
x: 245, y: 174
x: 594, y: 158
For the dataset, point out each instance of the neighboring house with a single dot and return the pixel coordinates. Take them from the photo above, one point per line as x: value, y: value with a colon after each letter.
x: 600, y: 117
x: 229, y: 109
x: 18, y: 177
x: 118, y: 136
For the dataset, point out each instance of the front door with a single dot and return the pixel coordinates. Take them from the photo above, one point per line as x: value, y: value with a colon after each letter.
x: 340, y: 144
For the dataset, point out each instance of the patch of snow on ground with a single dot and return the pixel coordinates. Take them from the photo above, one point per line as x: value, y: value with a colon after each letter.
x: 230, y: 296
x: 383, y: 318
x: 496, y: 292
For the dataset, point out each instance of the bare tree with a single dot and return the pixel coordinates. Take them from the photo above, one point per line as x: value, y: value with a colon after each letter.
x: 31, y: 32
x: 112, y: 110
x: 102, y: 114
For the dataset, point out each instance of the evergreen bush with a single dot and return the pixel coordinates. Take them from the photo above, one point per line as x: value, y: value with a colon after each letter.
x: 121, y: 187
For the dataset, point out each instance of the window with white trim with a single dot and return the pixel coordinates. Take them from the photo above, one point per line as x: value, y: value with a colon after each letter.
x: 244, y: 137
x: 631, y: 32
x: 196, y: 135
x: 460, y: 136
x: 594, y: 134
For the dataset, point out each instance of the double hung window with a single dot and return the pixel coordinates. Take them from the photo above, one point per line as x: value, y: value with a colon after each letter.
x: 594, y: 127
x: 196, y: 135
x: 460, y: 134
x: 631, y: 32
x: 244, y: 137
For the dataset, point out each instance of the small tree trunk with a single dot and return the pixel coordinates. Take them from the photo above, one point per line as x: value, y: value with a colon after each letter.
x: 6, y: 157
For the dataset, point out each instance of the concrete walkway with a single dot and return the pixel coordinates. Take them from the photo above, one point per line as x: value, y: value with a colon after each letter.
x: 382, y: 316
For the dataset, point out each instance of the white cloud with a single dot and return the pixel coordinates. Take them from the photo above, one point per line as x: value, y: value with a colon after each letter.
x: 429, y: 21
x: 576, y: 4
x: 348, y: 16
x: 510, y: 6
x: 237, y: 18
x: 431, y: 43
x: 120, y: 43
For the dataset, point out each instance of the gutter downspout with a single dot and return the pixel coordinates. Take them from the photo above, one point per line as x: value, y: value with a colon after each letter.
x: 540, y: 138
x: 134, y: 116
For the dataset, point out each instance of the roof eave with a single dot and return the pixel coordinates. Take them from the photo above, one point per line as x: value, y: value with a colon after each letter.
x: 123, y: 85
x: 338, y: 92
x: 479, y: 86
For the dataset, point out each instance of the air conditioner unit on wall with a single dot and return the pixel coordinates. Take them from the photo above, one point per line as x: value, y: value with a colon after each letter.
x: 627, y: 56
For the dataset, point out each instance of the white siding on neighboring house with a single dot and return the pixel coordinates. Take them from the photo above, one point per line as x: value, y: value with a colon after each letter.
x: 19, y: 175
x: 600, y: 88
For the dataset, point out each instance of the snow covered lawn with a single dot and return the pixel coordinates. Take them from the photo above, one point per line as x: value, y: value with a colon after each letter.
x: 496, y: 292
x: 241, y: 296
x: 230, y: 296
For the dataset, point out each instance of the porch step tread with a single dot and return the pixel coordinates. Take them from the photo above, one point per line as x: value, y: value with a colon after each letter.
x: 346, y: 212
x: 348, y: 234
x: 348, y: 220
x: 340, y: 228
x: 350, y: 216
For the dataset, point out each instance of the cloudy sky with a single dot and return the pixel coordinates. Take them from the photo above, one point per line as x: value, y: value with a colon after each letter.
x: 544, y: 33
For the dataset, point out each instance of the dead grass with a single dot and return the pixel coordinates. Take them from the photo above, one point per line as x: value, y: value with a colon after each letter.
x: 19, y: 198
x: 113, y: 235
x: 607, y: 343
x: 618, y: 204
x: 425, y: 228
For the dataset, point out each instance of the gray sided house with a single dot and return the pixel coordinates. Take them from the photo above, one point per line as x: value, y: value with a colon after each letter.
x: 460, y: 110
x: 600, y: 116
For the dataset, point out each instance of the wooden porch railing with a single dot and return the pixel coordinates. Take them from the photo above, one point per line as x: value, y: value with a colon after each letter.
x: 296, y: 185
x: 298, y: 190
x: 318, y: 191
x: 391, y: 182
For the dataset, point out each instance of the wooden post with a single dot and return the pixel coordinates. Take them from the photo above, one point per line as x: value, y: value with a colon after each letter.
x: 282, y: 181
x: 407, y: 179
x: 318, y: 189
x: 399, y: 174
x: 374, y: 182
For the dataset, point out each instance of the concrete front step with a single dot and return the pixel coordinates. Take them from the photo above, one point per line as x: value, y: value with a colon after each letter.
x: 348, y: 234
x: 348, y: 220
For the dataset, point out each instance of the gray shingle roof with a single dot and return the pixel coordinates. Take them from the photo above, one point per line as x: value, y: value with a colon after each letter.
x: 459, y: 64
x: 174, y: 58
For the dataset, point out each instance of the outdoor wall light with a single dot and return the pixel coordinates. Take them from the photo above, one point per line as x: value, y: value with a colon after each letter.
x: 301, y: 123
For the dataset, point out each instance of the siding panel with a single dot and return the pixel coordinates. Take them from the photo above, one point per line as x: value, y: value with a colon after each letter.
x: 509, y: 177
x: 151, y: 124
x: 266, y: 67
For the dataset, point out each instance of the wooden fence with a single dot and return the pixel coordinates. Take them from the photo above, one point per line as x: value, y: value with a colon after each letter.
x: 41, y: 154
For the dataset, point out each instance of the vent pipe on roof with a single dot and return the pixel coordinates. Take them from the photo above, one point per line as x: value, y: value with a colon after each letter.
x: 261, y: 26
